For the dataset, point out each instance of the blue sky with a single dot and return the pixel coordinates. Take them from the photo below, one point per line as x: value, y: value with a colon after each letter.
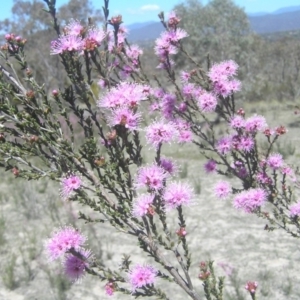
x: 146, y: 10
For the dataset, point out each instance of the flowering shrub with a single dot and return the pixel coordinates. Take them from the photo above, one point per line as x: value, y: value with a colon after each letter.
x: 104, y: 169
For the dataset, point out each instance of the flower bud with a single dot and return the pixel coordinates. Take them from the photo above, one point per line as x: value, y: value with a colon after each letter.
x: 55, y: 93
x: 204, y: 275
x: 28, y: 72
x: 18, y: 39
x: 2, y: 137
x: 33, y: 139
x: 280, y: 130
x: 251, y: 286
x: 15, y: 171
x: 240, y: 112
x: 181, y: 232
x: 115, y: 21
x: 100, y: 161
x: 30, y: 94
x: 9, y: 36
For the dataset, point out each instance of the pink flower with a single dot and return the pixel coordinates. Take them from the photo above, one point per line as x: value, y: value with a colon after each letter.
x: 207, y: 102
x: 289, y: 172
x: 63, y: 240
x: 152, y: 177
x: 235, y: 85
x: 224, y: 145
x: 224, y: 69
x: 74, y: 28
x: 168, y: 165
x: 182, y: 107
x: 125, y: 117
x: 75, y: 264
x: 125, y: 94
x: 142, y: 205
x: 188, y: 90
x: 237, y: 122
x: 66, y: 43
x: 160, y: 132
x: 263, y: 178
x: 168, y: 42
x: 177, y: 194
x: 223, y: 88
x: 185, y: 76
x: 210, y: 166
x: 168, y: 105
x: 221, y: 76
x: 222, y: 189
x: 185, y: 134
x: 134, y: 52
x: 140, y: 276
x: 94, y: 38
x: 275, y: 161
x: 255, y: 123
x: 250, y: 200
x: 295, y: 210
x: 246, y: 143
x: 70, y: 184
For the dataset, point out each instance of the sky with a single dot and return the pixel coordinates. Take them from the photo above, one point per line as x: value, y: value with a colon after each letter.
x: 135, y: 11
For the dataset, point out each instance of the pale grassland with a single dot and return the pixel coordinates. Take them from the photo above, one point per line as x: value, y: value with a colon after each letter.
x: 30, y: 210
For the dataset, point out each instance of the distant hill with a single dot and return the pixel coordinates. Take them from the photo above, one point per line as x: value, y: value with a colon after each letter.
x: 286, y: 9
x: 283, y: 19
x: 276, y: 22
x: 139, y: 25
x: 144, y: 33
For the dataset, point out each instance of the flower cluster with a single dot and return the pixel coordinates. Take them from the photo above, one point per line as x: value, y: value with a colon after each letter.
x: 77, y: 38
x: 122, y: 102
x: 167, y: 44
x: 68, y: 243
x: 221, y: 76
x: 250, y: 200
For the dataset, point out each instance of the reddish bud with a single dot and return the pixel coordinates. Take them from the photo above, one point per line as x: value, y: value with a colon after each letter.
x: 204, y: 275
x: 111, y: 136
x: 110, y: 288
x: 280, y: 130
x: 30, y: 94
x: 203, y: 266
x: 151, y: 211
x: 100, y: 161
x: 33, y: 139
x: 240, y: 112
x: 251, y: 286
x: 173, y: 21
x: 23, y: 42
x: 9, y: 36
x: 55, y: 93
x: 4, y: 47
x: 28, y: 72
x: 15, y: 171
x: 182, y: 107
x: 181, y: 232
x: 267, y: 132
x: 117, y: 20
x: 2, y: 137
